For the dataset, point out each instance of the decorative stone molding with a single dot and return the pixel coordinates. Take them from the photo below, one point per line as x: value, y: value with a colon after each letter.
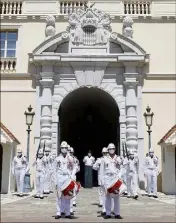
x: 89, y: 27
x: 127, y: 27
x: 50, y: 26
x: 46, y: 114
x: 92, y: 76
x: 46, y: 131
x: 131, y: 114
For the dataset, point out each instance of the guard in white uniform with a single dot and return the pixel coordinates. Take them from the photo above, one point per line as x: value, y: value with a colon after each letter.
x: 19, y: 169
x: 132, y: 165
x: 49, y: 159
x: 88, y: 160
x: 109, y: 169
x: 73, y: 173
x: 151, y: 171
x: 124, y: 176
x: 40, y: 163
x: 64, y: 164
x: 145, y: 178
x: 101, y: 190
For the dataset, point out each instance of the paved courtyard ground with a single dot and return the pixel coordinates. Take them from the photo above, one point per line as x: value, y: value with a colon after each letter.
x: 35, y: 210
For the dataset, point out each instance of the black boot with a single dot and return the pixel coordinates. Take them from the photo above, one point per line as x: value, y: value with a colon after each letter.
x: 107, y: 216
x: 36, y: 196
x: 155, y: 196
x: 71, y: 213
x: 103, y: 213
x: 118, y: 217
x: 57, y: 217
x: 70, y: 217
x: 136, y: 197
x: 74, y: 205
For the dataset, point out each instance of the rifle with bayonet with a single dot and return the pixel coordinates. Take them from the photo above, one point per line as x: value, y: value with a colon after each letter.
x: 126, y: 151
x: 123, y: 149
x: 38, y: 150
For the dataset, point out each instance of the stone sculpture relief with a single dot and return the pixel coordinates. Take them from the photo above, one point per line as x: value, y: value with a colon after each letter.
x: 127, y: 27
x: 89, y: 27
x: 50, y: 26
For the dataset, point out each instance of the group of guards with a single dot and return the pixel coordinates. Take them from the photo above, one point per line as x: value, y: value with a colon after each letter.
x: 116, y: 175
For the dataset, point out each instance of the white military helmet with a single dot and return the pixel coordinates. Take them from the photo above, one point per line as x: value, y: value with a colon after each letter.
x: 64, y: 144
x: 151, y: 150
x: 68, y: 146
x: 104, y: 150
x: 19, y: 150
x: 71, y: 149
x: 111, y: 146
x: 130, y: 152
x: 40, y: 151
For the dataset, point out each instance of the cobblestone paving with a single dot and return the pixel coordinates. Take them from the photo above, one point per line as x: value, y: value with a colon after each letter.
x: 35, y: 210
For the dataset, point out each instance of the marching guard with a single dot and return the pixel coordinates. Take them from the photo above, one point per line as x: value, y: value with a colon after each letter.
x: 40, y: 164
x: 101, y: 190
x: 132, y: 163
x: 19, y: 169
x: 109, y: 168
x: 49, y: 159
x: 77, y: 169
x: 65, y: 167
x: 151, y: 171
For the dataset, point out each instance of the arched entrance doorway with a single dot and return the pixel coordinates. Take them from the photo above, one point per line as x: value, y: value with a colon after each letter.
x: 89, y: 119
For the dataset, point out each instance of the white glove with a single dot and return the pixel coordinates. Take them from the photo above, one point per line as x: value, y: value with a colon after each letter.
x: 101, y: 182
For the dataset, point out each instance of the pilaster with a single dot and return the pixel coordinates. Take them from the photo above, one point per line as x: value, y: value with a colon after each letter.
x: 131, y: 110
x: 46, y: 106
x: 140, y: 118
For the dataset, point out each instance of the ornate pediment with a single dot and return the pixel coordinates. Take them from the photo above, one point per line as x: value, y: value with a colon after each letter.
x: 89, y: 27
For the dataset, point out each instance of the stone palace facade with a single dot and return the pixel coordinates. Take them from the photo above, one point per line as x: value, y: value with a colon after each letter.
x: 77, y: 62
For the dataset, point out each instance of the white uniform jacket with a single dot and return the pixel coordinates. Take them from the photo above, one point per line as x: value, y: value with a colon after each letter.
x: 19, y: 163
x: 109, y: 170
x: 64, y: 167
x: 96, y: 167
x: 89, y: 161
x: 151, y: 164
x: 40, y: 164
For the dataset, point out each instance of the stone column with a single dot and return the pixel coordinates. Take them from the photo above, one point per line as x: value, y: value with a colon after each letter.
x: 122, y: 135
x: 131, y: 113
x: 56, y: 100
x: 140, y: 137
x: 46, y: 115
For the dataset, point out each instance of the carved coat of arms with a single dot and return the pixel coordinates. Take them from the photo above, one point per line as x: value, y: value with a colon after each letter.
x: 89, y: 27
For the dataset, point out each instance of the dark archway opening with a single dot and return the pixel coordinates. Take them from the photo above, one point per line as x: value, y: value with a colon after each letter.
x: 89, y: 120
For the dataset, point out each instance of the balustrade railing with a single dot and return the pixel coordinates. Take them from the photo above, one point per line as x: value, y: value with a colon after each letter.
x: 8, y: 65
x: 10, y: 7
x: 67, y: 7
x: 137, y: 7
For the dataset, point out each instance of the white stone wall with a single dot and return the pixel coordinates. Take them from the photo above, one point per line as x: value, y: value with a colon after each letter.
x: 168, y: 169
x: 5, y: 185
